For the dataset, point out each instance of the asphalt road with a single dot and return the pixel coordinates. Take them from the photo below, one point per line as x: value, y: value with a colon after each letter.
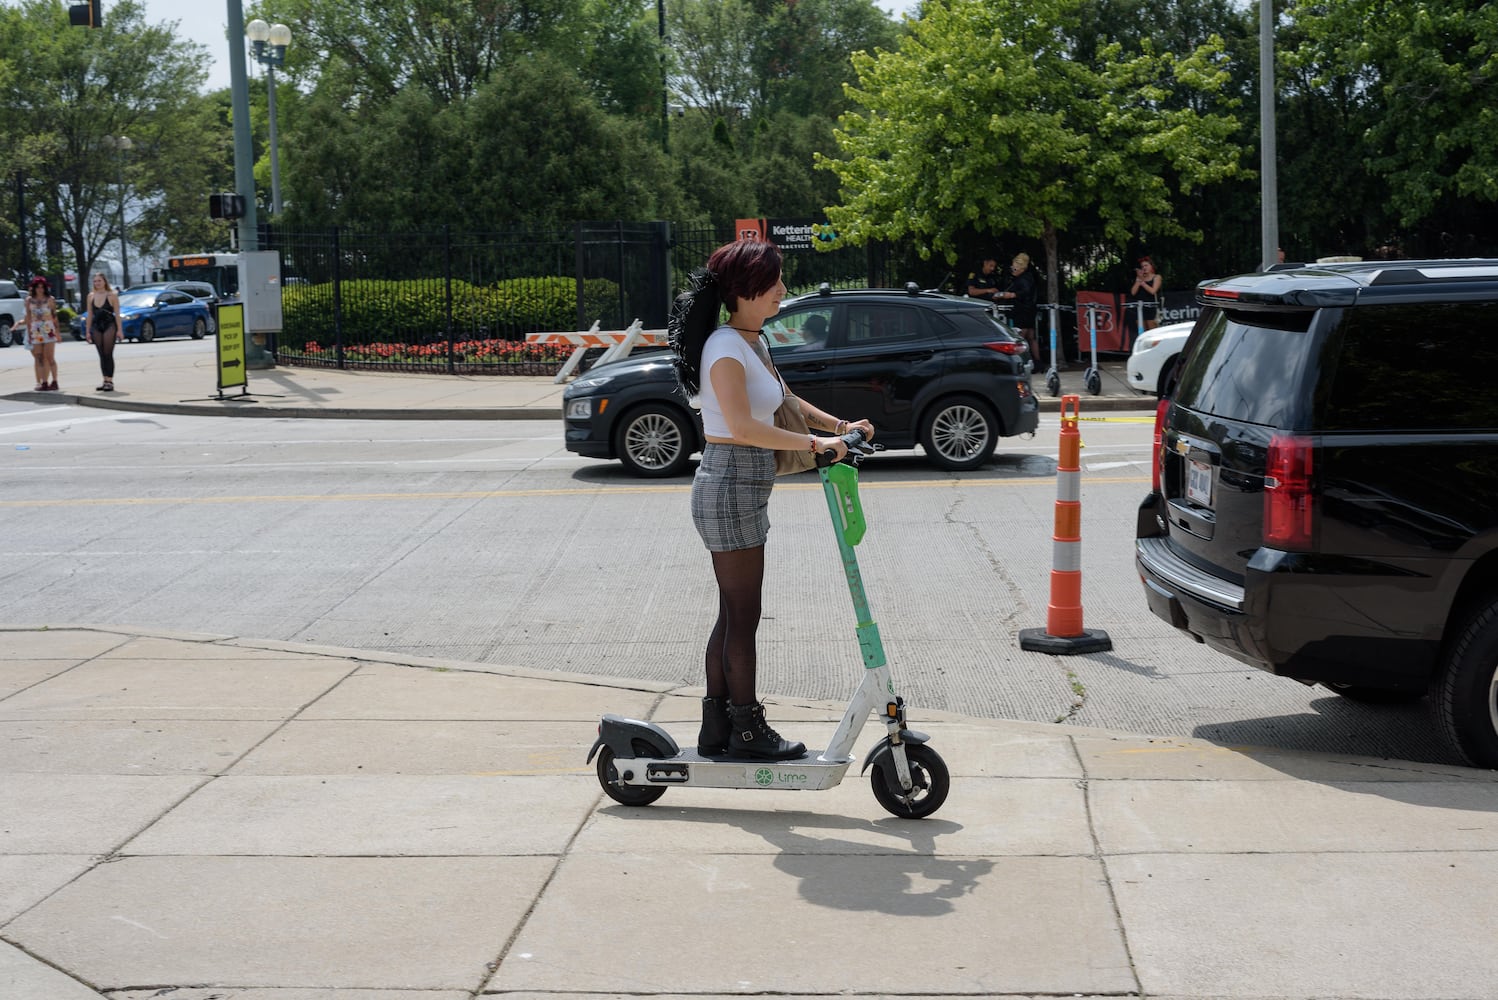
x: 485, y: 541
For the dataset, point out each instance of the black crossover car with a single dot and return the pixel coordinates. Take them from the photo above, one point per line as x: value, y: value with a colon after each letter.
x: 926, y: 368
x: 1325, y: 503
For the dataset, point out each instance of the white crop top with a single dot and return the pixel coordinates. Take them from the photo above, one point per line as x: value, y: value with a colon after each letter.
x: 764, y: 388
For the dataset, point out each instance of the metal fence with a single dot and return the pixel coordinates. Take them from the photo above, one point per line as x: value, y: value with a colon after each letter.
x: 463, y: 302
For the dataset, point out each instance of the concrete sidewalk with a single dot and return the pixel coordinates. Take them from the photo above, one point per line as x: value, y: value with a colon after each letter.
x: 187, y: 383
x: 216, y: 818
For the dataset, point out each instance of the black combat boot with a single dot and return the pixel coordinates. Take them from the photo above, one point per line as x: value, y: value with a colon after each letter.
x: 712, y: 738
x: 753, y: 737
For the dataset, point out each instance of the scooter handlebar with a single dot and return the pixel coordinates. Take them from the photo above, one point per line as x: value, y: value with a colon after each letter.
x: 859, y: 448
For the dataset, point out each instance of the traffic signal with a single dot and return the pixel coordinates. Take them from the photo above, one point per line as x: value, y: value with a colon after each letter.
x: 86, y: 15
x: 226, y: 206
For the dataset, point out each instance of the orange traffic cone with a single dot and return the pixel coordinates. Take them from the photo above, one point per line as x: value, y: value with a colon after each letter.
x: 1063, y: 633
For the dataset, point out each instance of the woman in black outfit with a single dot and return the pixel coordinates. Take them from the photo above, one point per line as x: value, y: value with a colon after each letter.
x: 102, y: 326
x: 1022, y: 292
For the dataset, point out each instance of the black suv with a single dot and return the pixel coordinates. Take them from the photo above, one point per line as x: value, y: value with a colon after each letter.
x: 926, y: 368
x: 1325, y: 497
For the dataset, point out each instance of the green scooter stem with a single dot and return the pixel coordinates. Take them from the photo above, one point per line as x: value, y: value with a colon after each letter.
x: 840, y: 485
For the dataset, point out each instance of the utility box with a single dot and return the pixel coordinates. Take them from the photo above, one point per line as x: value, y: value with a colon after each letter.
x: 260, y: 290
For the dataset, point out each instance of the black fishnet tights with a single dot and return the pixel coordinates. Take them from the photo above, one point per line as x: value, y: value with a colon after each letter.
x: 104, y: 344
x: 731, y: 660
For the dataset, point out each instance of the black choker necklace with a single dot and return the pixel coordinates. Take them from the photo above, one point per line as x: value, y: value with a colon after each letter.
x: 742, y: 330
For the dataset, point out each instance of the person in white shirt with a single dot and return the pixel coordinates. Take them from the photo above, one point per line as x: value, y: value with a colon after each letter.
x: 725, y: 369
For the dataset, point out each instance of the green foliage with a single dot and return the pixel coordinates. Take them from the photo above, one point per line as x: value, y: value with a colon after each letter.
x: 530, y: 149
x: 71, y: 91
x: 416, y: 311
x: 985, y: 119
x: 1422, y: 78
x: 446, y: 49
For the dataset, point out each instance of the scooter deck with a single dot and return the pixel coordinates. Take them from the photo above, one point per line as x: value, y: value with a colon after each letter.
x: 808, y: 772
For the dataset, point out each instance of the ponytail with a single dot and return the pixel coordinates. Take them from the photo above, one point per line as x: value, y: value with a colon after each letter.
x: 694, y: 316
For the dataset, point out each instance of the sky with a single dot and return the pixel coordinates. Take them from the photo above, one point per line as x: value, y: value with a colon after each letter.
x: 203, y: 21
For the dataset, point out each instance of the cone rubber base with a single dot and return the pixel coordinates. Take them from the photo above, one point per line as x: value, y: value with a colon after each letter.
x: 1038, y: 640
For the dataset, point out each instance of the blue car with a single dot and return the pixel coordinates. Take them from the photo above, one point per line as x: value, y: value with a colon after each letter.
x: 148, y: 313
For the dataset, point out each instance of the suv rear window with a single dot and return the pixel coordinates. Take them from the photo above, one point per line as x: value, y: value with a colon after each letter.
x: 1415, y: 367
x: 1249, y: 357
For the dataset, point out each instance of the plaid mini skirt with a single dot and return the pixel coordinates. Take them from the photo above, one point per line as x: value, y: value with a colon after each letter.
x: 731, y: 496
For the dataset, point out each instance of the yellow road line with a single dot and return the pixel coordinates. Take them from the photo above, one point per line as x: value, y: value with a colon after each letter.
x: 1047, y: 481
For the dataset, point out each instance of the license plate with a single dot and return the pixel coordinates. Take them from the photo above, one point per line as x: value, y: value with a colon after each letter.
x: 1199, y: 482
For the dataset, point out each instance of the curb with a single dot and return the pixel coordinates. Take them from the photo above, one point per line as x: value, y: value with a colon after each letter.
x: 249, y: 407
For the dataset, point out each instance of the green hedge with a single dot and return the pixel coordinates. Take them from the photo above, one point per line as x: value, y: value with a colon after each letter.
x: 414, y: 311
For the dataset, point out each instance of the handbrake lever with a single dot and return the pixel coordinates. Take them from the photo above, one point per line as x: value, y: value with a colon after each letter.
x: 858, y: 446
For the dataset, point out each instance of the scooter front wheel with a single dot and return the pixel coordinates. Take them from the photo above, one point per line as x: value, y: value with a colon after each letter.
x: 626, y: 795
x: 929, y: 783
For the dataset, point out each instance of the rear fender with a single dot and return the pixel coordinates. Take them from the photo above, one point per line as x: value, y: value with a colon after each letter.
x: 630, y: 738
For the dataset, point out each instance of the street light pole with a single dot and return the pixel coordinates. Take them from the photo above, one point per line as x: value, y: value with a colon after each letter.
x: 1269, y: 210
x: 270, y: 56
x: 275, y: 147
x: 123, y: 145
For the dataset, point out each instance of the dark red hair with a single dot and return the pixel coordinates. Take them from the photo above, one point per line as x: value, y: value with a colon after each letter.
x: 744, y: 269
x: 738, y: 270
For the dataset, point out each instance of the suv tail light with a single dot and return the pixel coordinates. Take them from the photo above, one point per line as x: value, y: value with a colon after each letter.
x: 1159, y: 459
x: 1288, y: 502
x: 1004, y: 346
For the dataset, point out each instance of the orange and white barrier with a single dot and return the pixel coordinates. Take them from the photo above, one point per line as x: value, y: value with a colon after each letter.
x: 1063, y: 632
x: 617, y: 344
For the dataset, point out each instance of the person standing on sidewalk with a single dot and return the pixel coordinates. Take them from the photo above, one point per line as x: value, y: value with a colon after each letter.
x: 1146, y: 289
x: 1022, y: 293
x: 726, y: 371
x: 103, y: 326
x: 43, y: 332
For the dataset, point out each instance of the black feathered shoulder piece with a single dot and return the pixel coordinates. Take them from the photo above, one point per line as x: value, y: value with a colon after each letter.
x: 694, y: 316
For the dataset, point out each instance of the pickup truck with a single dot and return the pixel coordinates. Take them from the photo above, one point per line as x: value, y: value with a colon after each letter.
x: 12, y: 308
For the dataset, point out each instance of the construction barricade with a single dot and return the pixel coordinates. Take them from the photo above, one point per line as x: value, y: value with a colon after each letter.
x: 617, y: 344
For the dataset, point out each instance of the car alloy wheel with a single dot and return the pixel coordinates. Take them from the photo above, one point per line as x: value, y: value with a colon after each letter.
x: 654, y: 441
x: 960, y: 434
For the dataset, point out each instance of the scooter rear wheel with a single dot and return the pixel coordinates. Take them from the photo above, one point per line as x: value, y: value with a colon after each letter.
x: 626, y: 795
x: 931, y: 782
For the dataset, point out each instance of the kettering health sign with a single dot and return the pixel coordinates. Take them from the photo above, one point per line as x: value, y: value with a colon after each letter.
x: 790, y: 235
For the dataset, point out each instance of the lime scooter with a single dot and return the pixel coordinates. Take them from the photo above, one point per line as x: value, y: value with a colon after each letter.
x: 637, y: 761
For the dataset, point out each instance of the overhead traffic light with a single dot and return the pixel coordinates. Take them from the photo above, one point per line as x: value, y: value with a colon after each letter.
x: 226, y: 206
x: 86, y: 15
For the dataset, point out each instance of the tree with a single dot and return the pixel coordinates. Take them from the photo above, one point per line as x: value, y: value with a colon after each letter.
x: 82, y: 88
x: 446, y: 48
x: 712, y: 43
x: 985, y: 118
x: 530, y: 149
x: 740, y: 59
x: 1418, y: 83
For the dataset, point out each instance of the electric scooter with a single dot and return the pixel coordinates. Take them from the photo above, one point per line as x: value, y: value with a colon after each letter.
x: 637, y: 761
x: 1093, y: 377
x: 1053, y: 374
